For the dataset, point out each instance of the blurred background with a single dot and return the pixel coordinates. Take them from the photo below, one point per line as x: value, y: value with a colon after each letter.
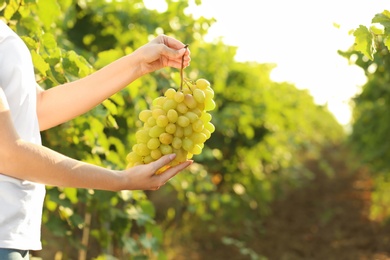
x: 298, y: 167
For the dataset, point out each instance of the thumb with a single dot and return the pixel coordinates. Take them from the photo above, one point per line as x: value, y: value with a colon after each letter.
x: 166, y: 159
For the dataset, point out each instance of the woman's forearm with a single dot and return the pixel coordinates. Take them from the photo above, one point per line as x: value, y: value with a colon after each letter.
x: 39, y: 164
x: 28, y: 161
x: 75, y: 98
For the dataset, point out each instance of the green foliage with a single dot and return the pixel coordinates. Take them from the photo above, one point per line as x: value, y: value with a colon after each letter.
x: 371, y: 124
x: 263, y: 129
x: 370, y: 115
x: 365, y: 37
x: 363, y: 41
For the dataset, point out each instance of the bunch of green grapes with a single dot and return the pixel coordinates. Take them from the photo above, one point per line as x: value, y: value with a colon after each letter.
x: 178, y: 122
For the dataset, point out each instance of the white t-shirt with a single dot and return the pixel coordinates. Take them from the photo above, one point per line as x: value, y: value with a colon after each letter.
x: 21, y: 202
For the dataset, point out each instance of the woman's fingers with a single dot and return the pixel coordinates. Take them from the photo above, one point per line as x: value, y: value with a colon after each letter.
x: 165, y: 160
x: 162, y: 178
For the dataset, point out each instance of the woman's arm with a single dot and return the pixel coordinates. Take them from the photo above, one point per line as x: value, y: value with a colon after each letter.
x: 27, y: 161
x: 64, y: 102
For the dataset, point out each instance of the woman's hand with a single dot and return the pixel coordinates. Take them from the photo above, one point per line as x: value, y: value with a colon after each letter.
x: 144, y: 177
x: 163, y: 51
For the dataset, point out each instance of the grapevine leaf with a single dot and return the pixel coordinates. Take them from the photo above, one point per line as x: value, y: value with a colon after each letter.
x: 377, y: 30
x: 110, y: 106
x: 31, y: 26
x: 49, y: 41
x: 50, y: 205
x: 383, y: 18
x: 39, y: 63
x: 11, y: 8
x: 147, y: 207
x: 48, y: 12
x: 71, y: 194
x: 30, y: 42
x: 78, y: 61
x: 387, y: 42
x: 364, y: 42
x: 3, y: 4
x: 111, y: 120
x: 106, y: 57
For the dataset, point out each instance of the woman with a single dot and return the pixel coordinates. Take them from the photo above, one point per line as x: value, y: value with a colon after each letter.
x: 26, y: 109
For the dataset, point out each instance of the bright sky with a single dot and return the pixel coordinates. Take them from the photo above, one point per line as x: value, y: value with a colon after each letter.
x: 300, y: 37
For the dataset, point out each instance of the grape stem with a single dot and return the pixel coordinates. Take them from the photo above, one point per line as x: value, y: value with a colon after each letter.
x: 182, y: 70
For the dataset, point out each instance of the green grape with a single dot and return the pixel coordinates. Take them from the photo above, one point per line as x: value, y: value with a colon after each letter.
x: 153, y: 143
x: 176, y: 142
x: 209, y: 93
x: 156, y: 112
x: 142, y: 149
x: 196, y: 149
x: 191, y: 116
x: 188, y: 130
x: 165, y: 138
x: 182, y: 108
x: 142, y: 136
x: 206, y: 117
x: 156, y: 131
x: 133, y: 157
x: 158, y: 101
x: 134, y: 148
x: 190, y: 101
x: 170, y: 128
x: 179, y: 97
x: 148, y: 159
x: 198, y: 125
x: 155, y: 154
x: 151, y: 121
x: 183, y: 121
x: 162, y: 121
x: 197, y: 111
x: 188, y: 145
x: 206, y: 132
x: 169, y: 104
x: 172, y: 115
x: 166, y: 149
x: 209, y: 104
x: 146, y: 127
x: 209, y: 126
x: 158, y: 106
x: 187, y: 91
x: 144, y: 115
x: 181, y: 156
x: 179, y: 131
x: 202, y: 83
x: 198, y: 138
x: 170, y: 93
x: 200, y: 106
x: 199, y: 95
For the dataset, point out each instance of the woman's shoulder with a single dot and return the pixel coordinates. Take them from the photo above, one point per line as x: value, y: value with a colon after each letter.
x: 10, y: 41
x: 6, y: 31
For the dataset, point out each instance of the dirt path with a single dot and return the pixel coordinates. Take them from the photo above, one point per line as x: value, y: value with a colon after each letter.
x: 327, y: 220
x: 324, y: 220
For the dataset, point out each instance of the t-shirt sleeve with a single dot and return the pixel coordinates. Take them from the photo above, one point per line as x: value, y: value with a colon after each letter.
x: 3, y: 101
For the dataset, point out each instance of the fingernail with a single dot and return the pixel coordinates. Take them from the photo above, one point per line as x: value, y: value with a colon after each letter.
x: 172, y: 156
